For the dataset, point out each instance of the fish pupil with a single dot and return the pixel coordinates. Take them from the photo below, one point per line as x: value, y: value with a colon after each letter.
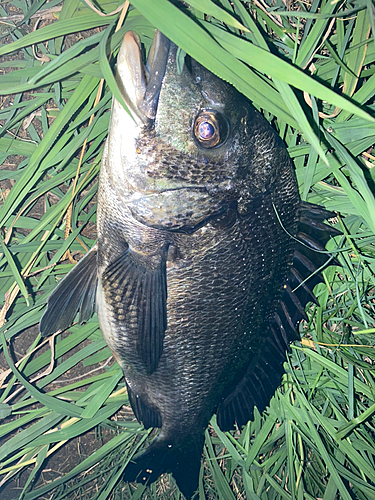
x: 206, y: 130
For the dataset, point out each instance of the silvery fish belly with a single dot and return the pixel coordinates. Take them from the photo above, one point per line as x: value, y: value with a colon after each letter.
x: 193, y: 273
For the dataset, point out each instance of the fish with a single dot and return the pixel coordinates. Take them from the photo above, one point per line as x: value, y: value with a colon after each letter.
x: 205, y: 258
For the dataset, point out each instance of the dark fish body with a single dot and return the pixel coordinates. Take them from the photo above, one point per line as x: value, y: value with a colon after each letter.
x: 193, y: 271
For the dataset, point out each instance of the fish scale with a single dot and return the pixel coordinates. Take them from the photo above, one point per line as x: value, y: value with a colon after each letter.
x: 198, y: 277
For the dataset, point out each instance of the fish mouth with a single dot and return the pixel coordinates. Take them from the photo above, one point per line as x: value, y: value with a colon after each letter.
x: 140, y: 83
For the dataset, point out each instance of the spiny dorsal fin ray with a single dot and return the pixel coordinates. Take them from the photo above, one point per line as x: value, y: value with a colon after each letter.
x: 264, y: 374
x: 306, y: 268
x: 315, y: 227
x: 75, y: 293
x: 304, y: 293
x: 315, y: 212
x: 137, y: 285
x: 314, y: 244
x: 294, y: 305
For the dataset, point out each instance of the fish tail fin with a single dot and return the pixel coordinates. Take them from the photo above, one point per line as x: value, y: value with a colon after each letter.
x: 163, y: 456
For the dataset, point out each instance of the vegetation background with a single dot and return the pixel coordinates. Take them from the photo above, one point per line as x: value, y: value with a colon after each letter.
x: 309, y: 67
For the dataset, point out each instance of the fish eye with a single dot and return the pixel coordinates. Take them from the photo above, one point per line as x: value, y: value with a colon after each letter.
x: 210, y: 129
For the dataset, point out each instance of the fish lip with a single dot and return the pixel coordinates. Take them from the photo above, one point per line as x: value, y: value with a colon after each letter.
x: 140, y: 83
x: 155, y: 66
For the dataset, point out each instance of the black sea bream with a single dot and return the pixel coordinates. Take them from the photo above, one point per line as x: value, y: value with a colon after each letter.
x: 193, y: 273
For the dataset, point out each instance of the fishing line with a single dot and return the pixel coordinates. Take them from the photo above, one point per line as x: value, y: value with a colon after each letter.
x: 329, y: 252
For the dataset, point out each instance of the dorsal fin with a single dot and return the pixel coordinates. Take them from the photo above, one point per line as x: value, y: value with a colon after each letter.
x: 264, y: 374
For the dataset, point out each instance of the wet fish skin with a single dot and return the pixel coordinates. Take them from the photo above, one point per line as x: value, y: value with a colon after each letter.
x: 206, y: 215
x: 192, y: 261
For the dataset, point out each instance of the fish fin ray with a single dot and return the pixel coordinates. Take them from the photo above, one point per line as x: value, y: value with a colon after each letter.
x: 315, y: 212
x: 75, y: 293
x: 163, y: 456
x: 264, y: 374
x: 143, y: 287
x: 309, y: 256
x: 305, y: 293
x: 144, y: 413
x: 257, y: 386
x: 315, y: 227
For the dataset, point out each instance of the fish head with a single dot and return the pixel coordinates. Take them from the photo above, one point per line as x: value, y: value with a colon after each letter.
x: 190, y: 144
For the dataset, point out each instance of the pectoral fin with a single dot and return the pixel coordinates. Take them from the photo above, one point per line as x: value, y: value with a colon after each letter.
x: 75, y: 293
x: 135, y: 287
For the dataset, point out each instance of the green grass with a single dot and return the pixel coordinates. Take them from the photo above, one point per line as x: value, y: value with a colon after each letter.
x: 311, y: 72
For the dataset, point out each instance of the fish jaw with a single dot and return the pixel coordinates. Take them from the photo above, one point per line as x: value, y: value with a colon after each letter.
x: 140, y: 85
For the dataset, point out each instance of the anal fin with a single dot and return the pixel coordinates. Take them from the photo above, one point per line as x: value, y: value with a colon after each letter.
x: 75, y: 293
